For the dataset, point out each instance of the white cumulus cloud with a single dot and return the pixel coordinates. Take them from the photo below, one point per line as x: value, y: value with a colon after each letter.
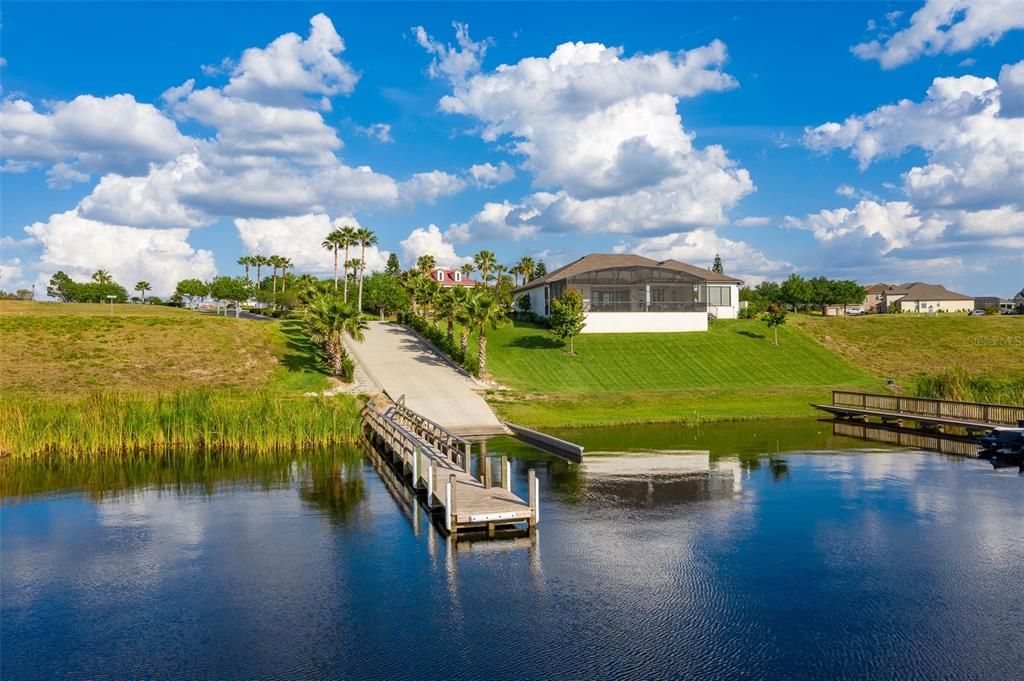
x: 299, y: 238
x: 430, y: 240
x: 944, y: 26
x: 602, y: 137
x: 291, y: 67
x: 89, y: 135
x: 975, y: 155
x: 700, y: 246
x: 79, y: 246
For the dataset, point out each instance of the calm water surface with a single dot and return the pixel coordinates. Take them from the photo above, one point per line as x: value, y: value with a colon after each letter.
x: 758, y: 550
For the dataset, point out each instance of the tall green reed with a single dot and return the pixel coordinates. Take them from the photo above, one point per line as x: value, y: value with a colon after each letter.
x: 115, y: 423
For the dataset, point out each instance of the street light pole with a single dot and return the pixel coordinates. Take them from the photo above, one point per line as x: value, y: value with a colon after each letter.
x: 111, y: 297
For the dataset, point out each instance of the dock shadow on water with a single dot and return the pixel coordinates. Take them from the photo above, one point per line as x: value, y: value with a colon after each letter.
x: 778, y: 550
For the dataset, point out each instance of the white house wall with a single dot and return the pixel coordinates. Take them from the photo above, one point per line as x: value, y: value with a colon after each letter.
x: 728, y: 311
x: 537, y: 300
x: 644, y: 322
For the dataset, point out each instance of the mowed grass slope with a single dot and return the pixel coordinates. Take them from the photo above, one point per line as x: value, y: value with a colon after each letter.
x: 732, y: 354
x: 55, y: 350
x: 732, y: 372
x: 904, y: 345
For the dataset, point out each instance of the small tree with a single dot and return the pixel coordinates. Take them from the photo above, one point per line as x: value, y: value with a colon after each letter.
x: 393, y: 268
x: 774, y: 318
x: 567, y: 317
x: 717, y: 266
x: 235, y: 290
x: 191, y: 289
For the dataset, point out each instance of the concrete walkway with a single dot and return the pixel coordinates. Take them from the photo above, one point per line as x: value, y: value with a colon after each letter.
x: 402, y: 364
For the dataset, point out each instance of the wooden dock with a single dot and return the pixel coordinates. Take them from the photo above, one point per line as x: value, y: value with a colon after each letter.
x: 435, y: 465
x: 970, y: 416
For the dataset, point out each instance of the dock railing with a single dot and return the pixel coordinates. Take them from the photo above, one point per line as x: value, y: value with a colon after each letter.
x: 978, y: 412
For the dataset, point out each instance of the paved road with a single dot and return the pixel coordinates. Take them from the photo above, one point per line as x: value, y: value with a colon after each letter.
x: 399, y: 362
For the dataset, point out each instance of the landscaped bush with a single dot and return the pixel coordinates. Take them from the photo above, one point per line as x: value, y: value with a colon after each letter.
x: 439, y: 338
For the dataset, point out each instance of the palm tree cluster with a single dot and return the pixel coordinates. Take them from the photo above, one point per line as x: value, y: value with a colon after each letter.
x: 345, y: 238
x: 276, y: 262
x: 329, y: 320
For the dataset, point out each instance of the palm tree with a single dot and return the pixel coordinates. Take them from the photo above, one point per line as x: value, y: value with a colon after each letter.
x: 446, y: 307
x: 275, y: 262
x: 330, y: 320
x: 348, y: 238
x: 462, y: 296
x: 259, y: 261
x: 525, y: 267
x: 333, y: 242
x: 245, y: 261
x: 483, y: 310
x: 425, y: 263
x: 366, y: 238
x: 285, y: 264
x: 102, y: 277
x: 467, y: 270
x: 142, y: 287
x: 485, y: 262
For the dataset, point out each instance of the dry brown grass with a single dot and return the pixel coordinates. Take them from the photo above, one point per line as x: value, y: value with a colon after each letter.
x: 64, y: 350
x: 902, y: 346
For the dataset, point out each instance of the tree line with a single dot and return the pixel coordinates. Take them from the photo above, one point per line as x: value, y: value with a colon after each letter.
x: 800, y: 295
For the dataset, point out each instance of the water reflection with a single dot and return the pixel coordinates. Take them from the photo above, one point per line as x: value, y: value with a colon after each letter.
x: 738, y: 559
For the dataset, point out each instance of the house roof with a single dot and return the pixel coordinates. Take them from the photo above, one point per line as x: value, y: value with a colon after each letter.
x: 449, y: 277
x: 876, y: 288
x: 602, y: 261
x: 920, y: 291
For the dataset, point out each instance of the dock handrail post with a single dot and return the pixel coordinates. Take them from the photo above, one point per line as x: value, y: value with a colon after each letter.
x: 506, y: 478
x: 534, y: 489
x: 467, y: 451
x: 416, y: 466
x: 449, y: 494
x: 430, y: 482
x: 452, y: 500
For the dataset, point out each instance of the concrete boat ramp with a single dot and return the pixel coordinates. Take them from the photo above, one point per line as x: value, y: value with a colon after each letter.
x: 401, y: 363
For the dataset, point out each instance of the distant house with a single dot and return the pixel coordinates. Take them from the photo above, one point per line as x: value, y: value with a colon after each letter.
x: 875, y: 294
x: 449, y: 278
x: 918, y: 297
x: 1003, y: 304
x: 629, y: 293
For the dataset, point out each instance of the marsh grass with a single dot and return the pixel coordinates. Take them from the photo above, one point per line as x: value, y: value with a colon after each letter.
x: 956, y: 383
x: 117, y: 423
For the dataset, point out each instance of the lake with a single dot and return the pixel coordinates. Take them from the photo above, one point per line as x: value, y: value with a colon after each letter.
x: 735, y: 550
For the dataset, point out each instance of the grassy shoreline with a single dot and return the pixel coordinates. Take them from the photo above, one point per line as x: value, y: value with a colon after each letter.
x: 202, y: 420
x: 83, y: 381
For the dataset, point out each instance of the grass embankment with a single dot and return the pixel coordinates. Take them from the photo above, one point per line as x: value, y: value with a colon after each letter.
x: 81, y: 381
x: 732, y: 372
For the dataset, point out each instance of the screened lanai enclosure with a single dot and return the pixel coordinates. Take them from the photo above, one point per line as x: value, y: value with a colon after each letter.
x: 636, y: 289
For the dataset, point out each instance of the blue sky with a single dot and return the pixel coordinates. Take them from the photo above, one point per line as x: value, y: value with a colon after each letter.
x: 161, y: 141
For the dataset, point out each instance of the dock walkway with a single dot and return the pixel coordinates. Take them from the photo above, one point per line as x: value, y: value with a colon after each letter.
x: 436, y: 465
x: 971, y: 416
x: 403, y: 364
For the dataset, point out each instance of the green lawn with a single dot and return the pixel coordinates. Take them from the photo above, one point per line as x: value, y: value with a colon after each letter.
x: 732, y: 372
x: 732, y: 354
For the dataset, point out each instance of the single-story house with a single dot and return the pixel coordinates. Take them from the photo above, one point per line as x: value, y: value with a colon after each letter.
x: 874, y: 297
x: 449, y: 278
x: 625, y: 293
x: 919, y: 297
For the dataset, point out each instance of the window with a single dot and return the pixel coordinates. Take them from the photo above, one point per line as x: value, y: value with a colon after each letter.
x: 458, y: 275
x: 440, y: 275
x: 720, y: 296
